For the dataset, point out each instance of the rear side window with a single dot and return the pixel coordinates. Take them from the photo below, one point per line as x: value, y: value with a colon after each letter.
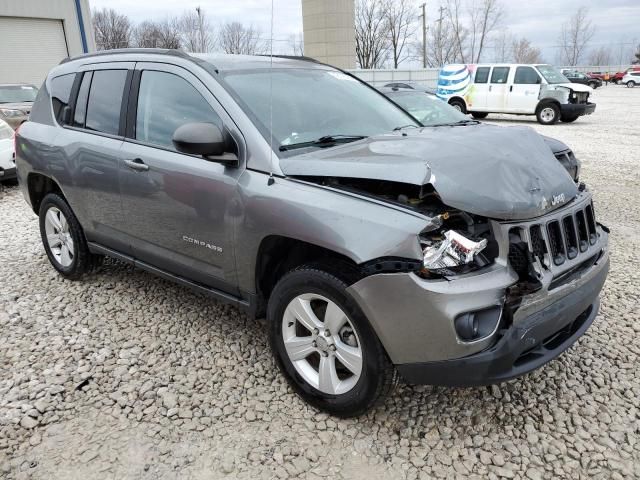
x: 60, y: 93
x: 499, y: 74
x: 105, y: 101
x: 81, y: 103
x: 166, y: 102
x: 482, y: 74
x: 526, y: 75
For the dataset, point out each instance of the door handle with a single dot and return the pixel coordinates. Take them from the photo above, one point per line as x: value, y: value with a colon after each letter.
x: 489, y: 87
x: 137, y: 164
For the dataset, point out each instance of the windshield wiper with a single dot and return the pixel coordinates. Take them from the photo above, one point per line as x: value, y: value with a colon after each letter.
x: 459, y: 122
x: 397, y: 129
x: 326, y: 141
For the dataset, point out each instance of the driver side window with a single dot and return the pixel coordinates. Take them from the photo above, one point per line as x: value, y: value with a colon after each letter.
x: 166, y: 102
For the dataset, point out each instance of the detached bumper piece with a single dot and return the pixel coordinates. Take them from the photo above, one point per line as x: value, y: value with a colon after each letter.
x: 577, y: 108
x: 523, y: 347
x: 7, y: 173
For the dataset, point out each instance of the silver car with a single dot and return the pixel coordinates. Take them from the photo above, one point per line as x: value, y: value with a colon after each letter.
x: 15, y: 102
x: 375, y: 246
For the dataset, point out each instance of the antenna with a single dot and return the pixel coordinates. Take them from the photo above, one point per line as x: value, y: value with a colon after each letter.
x: 271, y: 180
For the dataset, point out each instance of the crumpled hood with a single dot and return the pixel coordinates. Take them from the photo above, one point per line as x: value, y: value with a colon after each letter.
x: 505, y: 173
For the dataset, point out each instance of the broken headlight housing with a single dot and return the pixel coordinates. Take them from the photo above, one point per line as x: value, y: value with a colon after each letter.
x: 454, y: 253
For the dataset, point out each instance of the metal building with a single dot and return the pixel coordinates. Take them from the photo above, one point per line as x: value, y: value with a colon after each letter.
x: 36, y: 34
x: 329, y: 31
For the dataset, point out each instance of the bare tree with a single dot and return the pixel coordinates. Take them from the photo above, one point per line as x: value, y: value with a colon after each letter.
x: 575, y: 36
x: 164, y: 34
x: 441, y: 42
x: 111, y: 29
x: 296, y: 44
x: 459, y: 32
x: 636, y: 60
x: 600, y: 56
x: 195, y: 31
x: 236, y: 38
x: 400, y: 16
x: 372, y: 45
x: 503, y: 47
x: 523, y: 52
x: 485, y: 17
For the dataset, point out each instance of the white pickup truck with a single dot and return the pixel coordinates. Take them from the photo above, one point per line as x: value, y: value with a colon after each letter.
x: 538, y: 90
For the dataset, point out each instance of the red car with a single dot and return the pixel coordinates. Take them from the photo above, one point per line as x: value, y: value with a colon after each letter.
x: 618, y: 76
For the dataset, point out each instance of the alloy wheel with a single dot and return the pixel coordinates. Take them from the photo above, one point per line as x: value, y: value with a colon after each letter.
x: 322, y: 344
x: 59, y: 237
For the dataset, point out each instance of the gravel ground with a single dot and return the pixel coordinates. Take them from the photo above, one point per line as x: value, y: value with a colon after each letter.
x: 124, y: 375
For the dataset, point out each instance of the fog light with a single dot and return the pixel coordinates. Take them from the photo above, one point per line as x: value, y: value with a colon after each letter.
x: 479, y: 324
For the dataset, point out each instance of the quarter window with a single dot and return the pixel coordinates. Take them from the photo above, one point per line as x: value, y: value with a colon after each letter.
x: 166, y: 102
x: 81, y: 102
x: 105, y: 100
x: 60, y: 92
x: 526, y: 75
x: 482, y: 74
x: 499, y: 74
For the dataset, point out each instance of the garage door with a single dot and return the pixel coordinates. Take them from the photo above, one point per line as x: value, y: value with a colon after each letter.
x: 29, y: 47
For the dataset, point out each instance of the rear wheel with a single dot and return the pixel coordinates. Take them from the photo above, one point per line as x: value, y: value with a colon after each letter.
x: 479, y: 114
x: 63, y: 238
x: 324, y: 344
x: 631, y: 84
x: 458, y: 105
x: 548, y: 113
x: 593, y: 85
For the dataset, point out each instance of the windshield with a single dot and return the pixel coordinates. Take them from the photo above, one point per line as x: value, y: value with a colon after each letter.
x: 427, y: 109
x: 309, y: 104
x: 551, y: 75
x: 17, y: 93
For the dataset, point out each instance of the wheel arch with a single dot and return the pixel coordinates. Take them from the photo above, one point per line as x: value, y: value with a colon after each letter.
x: 459, y: 99
x: 38, y: 186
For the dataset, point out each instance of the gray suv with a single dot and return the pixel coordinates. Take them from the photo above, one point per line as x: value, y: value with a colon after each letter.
x: 454, y: 254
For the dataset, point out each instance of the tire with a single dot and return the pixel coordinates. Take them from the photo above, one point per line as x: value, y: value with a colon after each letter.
x: 548, y: 113
x: 302, y: 297
x: 593, y: 85
x: 479, y: 115
x: 458, y: 105
x: 57, y: 220
x: 569, y: 118
x: 617, y: 82
x: 631, y: 84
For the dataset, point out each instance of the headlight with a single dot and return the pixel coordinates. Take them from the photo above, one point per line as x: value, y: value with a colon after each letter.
x: 8, y: 112
x: 455, y: 250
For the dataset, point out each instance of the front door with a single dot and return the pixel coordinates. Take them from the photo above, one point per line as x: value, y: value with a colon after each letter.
x: 178, y: 208
x: 498, y: 88
x: 524, y: 91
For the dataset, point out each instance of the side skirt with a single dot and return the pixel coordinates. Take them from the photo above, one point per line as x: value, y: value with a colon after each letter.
x: 245, y: 305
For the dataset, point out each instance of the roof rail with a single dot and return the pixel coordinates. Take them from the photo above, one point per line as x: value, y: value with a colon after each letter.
x: 293, y: 57
x: 158, y: 51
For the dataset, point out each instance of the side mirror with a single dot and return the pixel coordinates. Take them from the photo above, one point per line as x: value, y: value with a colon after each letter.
x: 204, y: 139
x: 65, y: 116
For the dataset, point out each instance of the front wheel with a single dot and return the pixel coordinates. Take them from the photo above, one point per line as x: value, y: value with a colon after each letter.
x: 479, y: 115
x: 631, y: 84
x: 548, y: 113
x: 324, y: 344
x: 63, y: 238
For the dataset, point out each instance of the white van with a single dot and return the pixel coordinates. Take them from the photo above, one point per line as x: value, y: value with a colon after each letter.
x: 538, y: 90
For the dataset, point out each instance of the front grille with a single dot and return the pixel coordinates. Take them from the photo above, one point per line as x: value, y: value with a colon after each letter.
x: 567, y: 236
x: 582, y: 97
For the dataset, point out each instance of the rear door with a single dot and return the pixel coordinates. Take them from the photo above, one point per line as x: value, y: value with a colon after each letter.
x: 498, y: 88
x: 178, y: 208
x: 477, y: 98
x: 91, y: 145
x: 524, y: 90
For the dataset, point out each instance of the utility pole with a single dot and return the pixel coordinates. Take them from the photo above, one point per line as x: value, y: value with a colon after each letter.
x: 424, y: 35
x: 202, y: 49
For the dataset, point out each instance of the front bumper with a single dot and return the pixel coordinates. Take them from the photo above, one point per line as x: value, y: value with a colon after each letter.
x: 579, y: 109
x: 522, y: 348
x: 415, y: 318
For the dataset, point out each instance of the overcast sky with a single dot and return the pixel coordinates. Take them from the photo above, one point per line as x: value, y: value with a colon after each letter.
x: 617, y: 21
